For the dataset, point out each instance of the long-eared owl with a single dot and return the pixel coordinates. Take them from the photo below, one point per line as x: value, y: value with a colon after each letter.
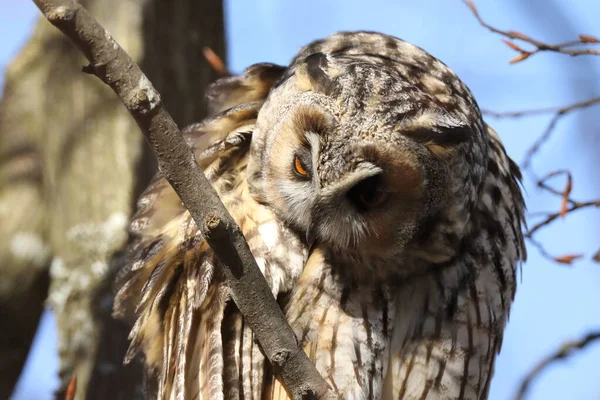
x: 383, y: 212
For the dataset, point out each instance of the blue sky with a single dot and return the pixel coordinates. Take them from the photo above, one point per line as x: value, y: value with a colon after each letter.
x: 554, y: 303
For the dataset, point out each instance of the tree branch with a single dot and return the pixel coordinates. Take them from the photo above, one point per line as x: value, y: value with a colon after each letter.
x: 550, y: 217
x: 248, y: 287
x: 563, y: 352
x: 564, y: 48
x: 568, y: 205
x: 558, y: 112
x: 546, y: 110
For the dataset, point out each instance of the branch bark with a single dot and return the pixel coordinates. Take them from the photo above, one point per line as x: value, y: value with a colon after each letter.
x: 249, y: 289
x: 561, y: 353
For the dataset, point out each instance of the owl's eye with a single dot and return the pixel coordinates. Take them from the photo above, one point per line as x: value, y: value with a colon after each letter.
x: 300, y: 167
x: 368, y: 194
x: 373, y: 199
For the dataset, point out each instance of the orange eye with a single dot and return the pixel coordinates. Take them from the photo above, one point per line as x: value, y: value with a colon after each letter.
x: 299, y: 167
x: 373, y: 199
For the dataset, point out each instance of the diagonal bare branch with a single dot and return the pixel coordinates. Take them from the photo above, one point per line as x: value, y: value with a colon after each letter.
x: 110, y: 63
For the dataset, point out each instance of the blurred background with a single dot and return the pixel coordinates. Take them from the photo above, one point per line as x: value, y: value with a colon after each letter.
x: 555, y: 303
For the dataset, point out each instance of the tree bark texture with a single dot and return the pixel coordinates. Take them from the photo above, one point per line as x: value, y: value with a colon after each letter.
x: 71, y: 167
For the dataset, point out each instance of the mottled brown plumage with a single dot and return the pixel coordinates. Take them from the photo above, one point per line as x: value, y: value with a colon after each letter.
x: 384, y: 213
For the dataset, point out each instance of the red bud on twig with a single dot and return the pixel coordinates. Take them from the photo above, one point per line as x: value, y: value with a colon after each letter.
x: 471, y: 5
x: 588, y: 38
x: 513, y: 46
x: 565, y: 196
x: 71, y: 388
x: 568, y: 258
x: 523, y: 56
x: 215, y: 62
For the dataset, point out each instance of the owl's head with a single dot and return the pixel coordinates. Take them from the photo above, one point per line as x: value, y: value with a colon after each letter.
x: 364, y: 141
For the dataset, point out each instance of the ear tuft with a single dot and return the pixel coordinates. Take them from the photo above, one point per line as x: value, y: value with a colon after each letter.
x: 318, y: 70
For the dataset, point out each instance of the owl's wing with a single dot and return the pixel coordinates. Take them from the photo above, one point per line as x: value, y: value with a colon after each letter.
x: 172, y: 267
x: 343, y: 327
x: 192, y: 338
x: 255, y: 83
x: 450, y: 322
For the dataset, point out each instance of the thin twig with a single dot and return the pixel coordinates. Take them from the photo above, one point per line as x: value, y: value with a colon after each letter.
x: 568, y: 205
x: 558, y: 112
x: 564, y: 194
x: 543, y: 138
x: 565, y: 259
x: 543, y: 185
x: 539, y: 46
x: 563, y: 352
x: 249, y: 289
x: 545, y: 110
x: 553, y: 216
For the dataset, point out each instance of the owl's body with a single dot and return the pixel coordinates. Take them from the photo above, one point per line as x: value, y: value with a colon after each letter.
x: 383, y: 212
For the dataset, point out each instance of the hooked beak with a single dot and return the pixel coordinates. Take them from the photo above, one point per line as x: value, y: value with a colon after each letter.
x: 310, y: 236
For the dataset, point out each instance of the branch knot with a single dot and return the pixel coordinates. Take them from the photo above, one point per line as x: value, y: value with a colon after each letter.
x: 145, y: 98
x: 280, y: 357
x: 60, y: 14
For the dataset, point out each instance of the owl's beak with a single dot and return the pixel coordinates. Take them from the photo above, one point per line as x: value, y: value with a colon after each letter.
x: 310, y: 236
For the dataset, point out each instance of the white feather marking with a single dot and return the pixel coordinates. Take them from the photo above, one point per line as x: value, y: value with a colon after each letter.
x: 269, y: 233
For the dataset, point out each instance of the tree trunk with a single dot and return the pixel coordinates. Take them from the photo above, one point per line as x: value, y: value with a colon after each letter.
x: 72, y: 163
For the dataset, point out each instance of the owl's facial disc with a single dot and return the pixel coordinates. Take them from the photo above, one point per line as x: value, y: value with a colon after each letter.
x: 354, y: 210
x: 348, y: 183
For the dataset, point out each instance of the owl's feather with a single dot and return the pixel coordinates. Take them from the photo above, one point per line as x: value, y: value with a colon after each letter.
x: 179, y: 296
x: 431, y: 336
x: 406, y: 299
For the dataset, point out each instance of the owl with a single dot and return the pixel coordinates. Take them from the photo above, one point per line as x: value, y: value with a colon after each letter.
x: 383, y: 212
